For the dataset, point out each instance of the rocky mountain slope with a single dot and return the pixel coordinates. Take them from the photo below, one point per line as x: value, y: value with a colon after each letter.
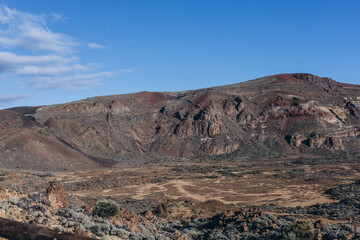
x: 286, y: 115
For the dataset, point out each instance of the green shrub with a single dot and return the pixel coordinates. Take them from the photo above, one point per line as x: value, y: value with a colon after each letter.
x: 106, y: 208
x: 299, y: 230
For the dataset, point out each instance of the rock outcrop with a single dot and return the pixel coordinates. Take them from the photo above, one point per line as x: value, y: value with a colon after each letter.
x: 56, y: 197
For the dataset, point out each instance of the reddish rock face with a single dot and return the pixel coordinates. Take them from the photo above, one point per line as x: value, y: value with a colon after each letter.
x: 295, y: 77
x: 56, y: 197
x: 152, y: 97
x: 278, y: 115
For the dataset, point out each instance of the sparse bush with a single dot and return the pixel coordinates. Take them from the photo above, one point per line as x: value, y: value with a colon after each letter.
x: 122, y: 233
x: 95, y: 229
x: 12, y: 200
x: 106, y: 208
x: 59, y: 228
x: 216, y: 234
x: 299, y: 230
x: 38, y: 207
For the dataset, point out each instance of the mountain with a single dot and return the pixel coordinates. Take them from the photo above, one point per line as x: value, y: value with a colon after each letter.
x: 279, y: 116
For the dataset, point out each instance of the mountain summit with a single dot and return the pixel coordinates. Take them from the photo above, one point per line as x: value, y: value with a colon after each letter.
x: 279, y: 116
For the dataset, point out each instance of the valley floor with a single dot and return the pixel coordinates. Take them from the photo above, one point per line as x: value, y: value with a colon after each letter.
x: 188, y: 197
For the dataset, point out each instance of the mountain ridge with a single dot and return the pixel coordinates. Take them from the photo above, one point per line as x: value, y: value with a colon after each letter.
x: 274, y: 116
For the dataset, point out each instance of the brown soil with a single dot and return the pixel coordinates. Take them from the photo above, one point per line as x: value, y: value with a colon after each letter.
x: 209, y: 185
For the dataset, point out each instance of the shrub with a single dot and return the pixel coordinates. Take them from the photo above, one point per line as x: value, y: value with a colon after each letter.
x: 12, y: 200
x: 299, y: 230
x: 95, y: 229
x: 122, y: 233
x: 106, y: 208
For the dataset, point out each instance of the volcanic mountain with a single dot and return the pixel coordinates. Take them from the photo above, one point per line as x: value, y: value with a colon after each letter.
x: 279, y: 116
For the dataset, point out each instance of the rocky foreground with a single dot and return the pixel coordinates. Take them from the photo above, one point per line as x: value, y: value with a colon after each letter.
x: 60, y: 214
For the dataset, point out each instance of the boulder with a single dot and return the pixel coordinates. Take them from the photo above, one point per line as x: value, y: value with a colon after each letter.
x: 55, y: 196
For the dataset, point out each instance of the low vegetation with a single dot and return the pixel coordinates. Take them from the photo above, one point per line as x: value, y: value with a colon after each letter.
x: 106, y: 208
x: 299, y: 230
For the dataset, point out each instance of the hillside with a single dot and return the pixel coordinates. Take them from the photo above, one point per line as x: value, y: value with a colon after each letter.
x: 286, y: 115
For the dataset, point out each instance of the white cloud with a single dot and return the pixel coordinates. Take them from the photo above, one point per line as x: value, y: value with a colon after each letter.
x: 74, y: 82
x: 9, y: 58
x: 95, y: 46
x: 51, y: 70
x: 6, y: 99
x: 11, y: 62
x: 49, y: 62
x: 29, y: 31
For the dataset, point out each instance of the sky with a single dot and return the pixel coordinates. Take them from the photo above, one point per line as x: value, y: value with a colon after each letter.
x: 60, y: 51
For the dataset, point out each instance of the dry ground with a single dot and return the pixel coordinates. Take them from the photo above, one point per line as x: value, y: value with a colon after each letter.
x: 290, y: 186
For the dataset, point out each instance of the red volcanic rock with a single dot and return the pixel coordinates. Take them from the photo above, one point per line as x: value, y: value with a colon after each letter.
x: 296, y: 77
x: 152, y: 97
x: 56, y: 197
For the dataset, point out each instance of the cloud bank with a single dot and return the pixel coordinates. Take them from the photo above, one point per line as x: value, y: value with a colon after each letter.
x: 46, y: 59
x: 29, y: 31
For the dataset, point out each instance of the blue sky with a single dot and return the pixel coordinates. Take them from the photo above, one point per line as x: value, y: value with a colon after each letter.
x: 60, y: 51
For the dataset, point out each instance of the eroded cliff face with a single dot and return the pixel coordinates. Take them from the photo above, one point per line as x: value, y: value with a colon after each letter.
x: 278, y: 115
